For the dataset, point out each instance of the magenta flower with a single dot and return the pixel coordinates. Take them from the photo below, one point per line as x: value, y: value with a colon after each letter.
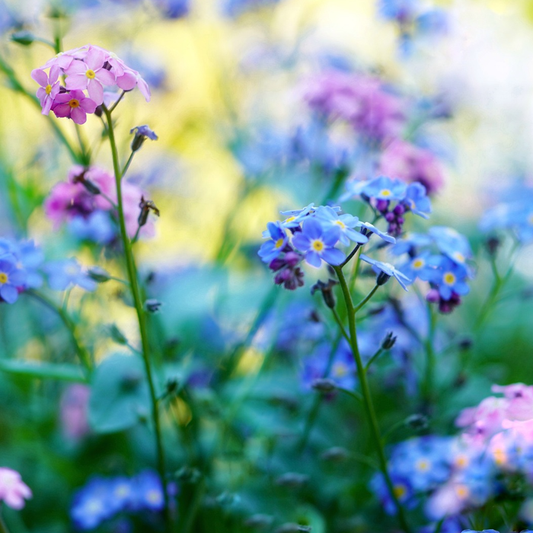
x: 90, y: 74
x: 49, y: 87
x: 74, y: 105
x: 13, y: 490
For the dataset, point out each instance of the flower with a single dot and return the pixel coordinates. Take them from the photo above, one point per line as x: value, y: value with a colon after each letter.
x: 66, y: 272
x: 73, y: 411
x: 148, y: 491
x: 11, y: 278
x: 449, y: 277
x: 90, y: 74
x: 13, y: 491
x: 74, y: 105
x: 345, y: 222
x: 141, y: 134
x: 93, y: 503
x: 318, y: 244
x: 273, y: 247
x: 49, y: 87
x: 388, y: 270
x: 384, y: 188
x: 370, y: 228
x: 417, y: 201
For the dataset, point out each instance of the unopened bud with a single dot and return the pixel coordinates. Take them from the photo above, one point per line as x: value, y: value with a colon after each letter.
x: 418, y: 421
x: 146, y: 206
x: 327, y: 291
x: 98, y: 274
x: 389, y: 341
x: 323, y: 385
x: 152, y: 305
x: 23, y: 37
x: 141, y: 134
x: 492, y: 244
x: 382, y: 278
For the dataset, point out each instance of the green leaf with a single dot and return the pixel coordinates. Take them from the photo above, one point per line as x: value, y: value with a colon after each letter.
x: 119, y: 394
x: 63, y: 372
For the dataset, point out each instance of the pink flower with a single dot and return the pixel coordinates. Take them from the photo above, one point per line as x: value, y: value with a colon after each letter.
x: 73, y: 410
x: 74, y: 105
x: 49, y: 87
x: 410, y: 163
x: 127, y: 78
x: 90, y: 74
x: 13, y: 490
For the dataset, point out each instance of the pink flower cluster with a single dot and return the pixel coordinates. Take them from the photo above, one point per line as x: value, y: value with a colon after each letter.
x: 70, y: 199
x: 88, y: 68
x: 363, y: 101
x: 13, y: 491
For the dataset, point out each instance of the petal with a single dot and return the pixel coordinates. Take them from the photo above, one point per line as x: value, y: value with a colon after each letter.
x: 54, y: 74
x: 105, y: 77
x: 88, y: 105
x: 96, y: 91
x: 301, y: 242
x: 40, y: 77
x: 333, y: 256
x: 61, y: 110
x: 144, y: 89
x: 95, y: 58
x: 127, y: 81
x: 47, y: 106
x: 312, y: 228
x: 9, y: 293
x: 313, y: 259
x: 76, y: 67
x: 76, y: 82
x: 332, y: 236
x: 78, y: 115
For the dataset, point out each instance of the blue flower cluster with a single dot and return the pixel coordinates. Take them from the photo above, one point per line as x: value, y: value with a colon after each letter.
x: 22, y: 268
x: 440, y: 258
x: 104, y: 498
x: 513, y: 215
x: 392, y: 199
x: 312, y: 234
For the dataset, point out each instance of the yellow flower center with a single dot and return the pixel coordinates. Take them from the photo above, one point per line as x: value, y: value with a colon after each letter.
x: 279, y: 243
x: 418, y: 263
x: 462, y: 491
x: 423, y: 465
x: 90, y: 74
x: 340, y: 370
x: 317, y: 245
x: 449, y: 278
x: 399, y: 491
x: 461, y: 461
x: 500, y: 457
x: 385, y: 192
x: 153, y: 496
x: 74, y: 103
x: 48, y: 89
x: 3, y: 277
x: 340, y: 223
x: 459, y: 257
x: 290, y: 219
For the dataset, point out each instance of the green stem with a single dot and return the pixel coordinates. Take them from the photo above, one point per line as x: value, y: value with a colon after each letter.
x: 128, y: 163
x: 430, y: 356
x: 83, y: 354
x: 366, y: 298
x: 112, y: 108
x: 373, y: 358
x: 369, y: 405
x: 141, y: 318
x: 340, y: 324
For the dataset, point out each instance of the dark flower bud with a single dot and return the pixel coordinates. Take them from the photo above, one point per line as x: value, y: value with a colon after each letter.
x: 99, y: 112
x: 259, y: 521
x: 382, y: 205
x: 23, y: 37
x: 390, y: 217
x: 335, y: 454
x: 292, y: 480
x: 492, y: 244
x: 292, y: 527
x: 465, y: 344
x: 399, y: 210
x: 117, y: 335
x: 389, y: 341
x: 146, y: 206
x: 382, y: 278
x: 141, y: 134
x: 98, y: 274
x: 89, y: 185
x: 171, y: 386
x: 400, y: 220
x: 152, y: 305
x: 417, y: 422
x: 327, y: 291
x: 323, y: 385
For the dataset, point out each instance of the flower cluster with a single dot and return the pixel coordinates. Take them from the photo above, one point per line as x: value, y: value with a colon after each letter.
x: 103, y: 498
x: 88, y: 68
x: 13, y: 491
x: 513, y: 215
x: 440, y: 258
x: 87, y: 202
x: 392, y: 199
x: 312, y: 234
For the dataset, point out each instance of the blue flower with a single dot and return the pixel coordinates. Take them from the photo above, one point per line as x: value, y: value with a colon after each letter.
x: 419, y: 266
x: 318, y: 244
x: 67, y: 272
x: 451, y: 243
x: 403, y: 491
x: 398, y: 10
x: 272, y: 248
x: 370, y: 228
x: 11, y: 278
x: 234, y: 8
x: 122, y: 493
x: 174, y: 9
x: 432, y: 22
x: 144, y: 131
x: 449, y: 277
x: 28, y: 257
x: 417, y: 200
x: 345, y: 222
x: 97, y: 227
x: 384, y: 188
x: 296, y: 216
x: 92, y: 504
x: 410, y: 244
x: 387, y: 269
x: 148, y: 491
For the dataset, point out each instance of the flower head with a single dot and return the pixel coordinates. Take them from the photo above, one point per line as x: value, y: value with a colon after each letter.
x: 66, y: 272
x: 49, y: 87
x: 11, y: 278
x: 273, y: 247
x: 74, y: 105
x: 388, y: 270
x: 13, y: 491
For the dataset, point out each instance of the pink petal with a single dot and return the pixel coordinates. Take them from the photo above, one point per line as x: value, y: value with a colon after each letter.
x: 54, y: 74
x: 105, y: 77
x: 41, y: 93
x: 47, y: 105
x: 76, y: 82
x: 88, y: 105
x: 40, y: 77
x: 63, y: 98
x: 127, y: 81
x: 143, y: 87
x: 76, y: 67
x: 61, y: 110
x: 78, y: 115
x: 55, y: 90
x: 96, y: 91
x: 95, y: 58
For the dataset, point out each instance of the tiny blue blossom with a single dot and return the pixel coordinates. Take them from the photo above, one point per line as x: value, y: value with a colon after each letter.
x: 451, y: 243
x: 370, y: 228
x: 384, y: 188
x: 92, y: 504
x: 345, y: 222
x: 148, y: 491
x: 449, y: 277
x: 387, y: 269
x: 318, y: 244
x: 96, y: 227
x: 11, y: 278
x: 272, y: 248
x: 66, y: 272
x: 417, y: 201
x: 410, y: 244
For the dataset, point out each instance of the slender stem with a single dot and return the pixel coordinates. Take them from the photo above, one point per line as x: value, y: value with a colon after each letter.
x: 373, y: 358
x: 83, y: 354
x: 369, y: 405
x: 340, y: 324
x: 350, y: 255
x: 112, y: 108
x: 136, y: 236
x: 430, y: 356
x: 366, y: 298
x: 352, y: 394
x: 128, y: 163
x: 141, y: 318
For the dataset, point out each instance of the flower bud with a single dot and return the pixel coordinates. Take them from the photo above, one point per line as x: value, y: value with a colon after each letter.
x: 146, y: 206
x: 152, y: 305
x: 327, y: 291
x: 141, y: 134
x: 323, y: 385
x: 292, y: 480
x: 335, y: 454
x: 23, y: 37
x: 382, y: 278
x: 98, y: 274
x: 417, y: 421
x: 389, y: 341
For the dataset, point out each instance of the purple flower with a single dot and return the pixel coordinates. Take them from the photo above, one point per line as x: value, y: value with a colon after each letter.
x: 11, y: 278
x: 318, y: 244
x: 74, y: 105
x: 90, y: 74
x: 388, y: 270
x: 49, y: 87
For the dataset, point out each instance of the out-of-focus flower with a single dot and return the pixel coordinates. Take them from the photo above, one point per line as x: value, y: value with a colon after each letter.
x: 92, y: 504
x: 73, y: 411
x: 11, y: 278
x: 174, y: 9
x: 28, y: 257
x: 273, y: 247
x: 387, y: 269
x: 13, y: 491
x: 147, y: 491
x: 234, y: 8
x: 65, y: 273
